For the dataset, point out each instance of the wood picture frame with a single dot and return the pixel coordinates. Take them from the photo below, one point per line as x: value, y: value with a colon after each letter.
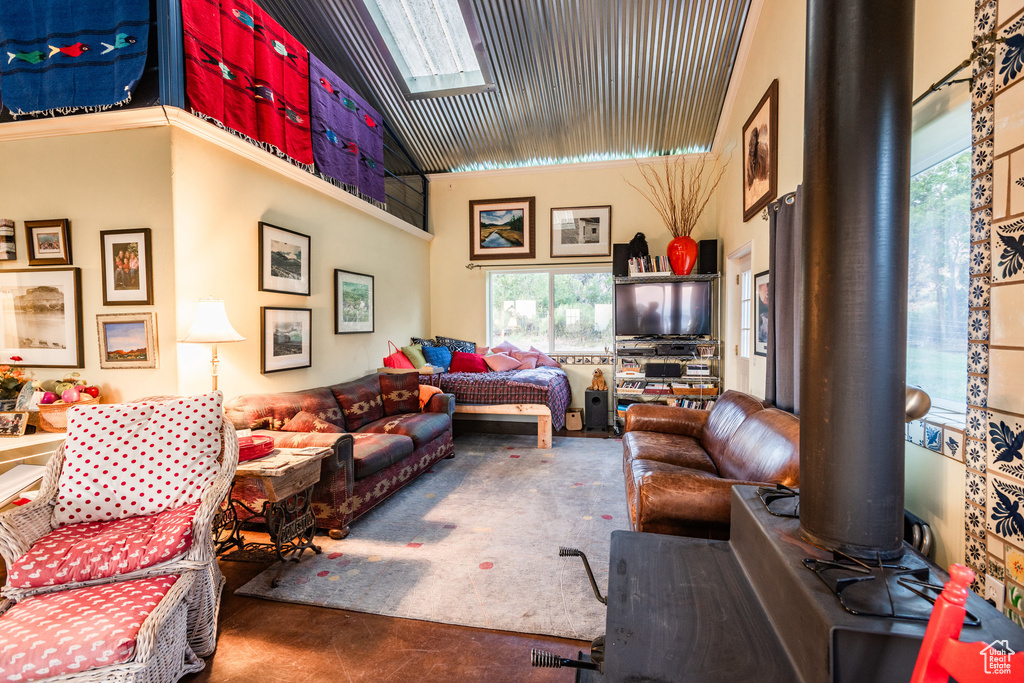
x: 502, y: 229
x: 286, y: 338
x: 126, y: 258
x: 49, y: 242
x: 43, y: 324
x: 284, y: 260
x: 760, y: 153
x: 581, y: 231
x: 13, y: 423
x: 762, y: 313
x: 127, y: 340
x: 353, y: 302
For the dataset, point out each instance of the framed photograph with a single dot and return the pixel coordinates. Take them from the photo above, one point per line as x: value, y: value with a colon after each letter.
x: 49, y: 242
x: 761, y: 309
x: 502, y: 229
x: 127, y: 340
x: 760, y: 153
x: 353, y: 302
x: 127, y: 262
x: 284, y: 260
x: 41, y: 317
x: 581, y: 231
x: 8, y: 249
x: 287, y: 338
x: 13, y: 423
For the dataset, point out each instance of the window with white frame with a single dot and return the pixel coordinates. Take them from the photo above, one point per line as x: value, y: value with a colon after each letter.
x: 746, y: 313
x: 558, y: 311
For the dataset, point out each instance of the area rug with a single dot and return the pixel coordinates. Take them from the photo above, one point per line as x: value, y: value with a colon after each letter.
x: 475, y: 541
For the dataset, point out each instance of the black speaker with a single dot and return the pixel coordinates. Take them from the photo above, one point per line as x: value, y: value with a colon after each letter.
x: 707, y: 257
x: 664, y: 370
x: 597, y: 409
x: 620, y: 260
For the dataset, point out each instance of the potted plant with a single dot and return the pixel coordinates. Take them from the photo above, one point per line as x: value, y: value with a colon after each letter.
x: 11, y: 381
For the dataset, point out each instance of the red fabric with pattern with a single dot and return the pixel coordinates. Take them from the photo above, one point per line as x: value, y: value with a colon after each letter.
x: 73, y: 631
x: 248, y: 74
x: 133, y: 459
x: 401, y: 393
x: 422, y: 428
x: 467, y: 362
x: 83, y: 552
x: 374, y: 452
x: 271, y: 411
x: 307, y: 422
x: 360, y: 401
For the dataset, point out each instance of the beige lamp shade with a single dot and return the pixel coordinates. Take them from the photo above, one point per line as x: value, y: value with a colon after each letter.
x: 211, y: 325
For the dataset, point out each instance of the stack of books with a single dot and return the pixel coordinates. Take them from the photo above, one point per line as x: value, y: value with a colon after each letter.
x: 649, y: 265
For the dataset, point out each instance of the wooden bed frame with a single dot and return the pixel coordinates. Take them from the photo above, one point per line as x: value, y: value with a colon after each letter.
x: 542, y: 412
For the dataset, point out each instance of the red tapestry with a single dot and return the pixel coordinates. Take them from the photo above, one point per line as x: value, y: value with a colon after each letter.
x: 248, y: 75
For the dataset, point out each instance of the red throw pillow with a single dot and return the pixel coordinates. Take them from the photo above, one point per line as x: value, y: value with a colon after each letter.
x: 467, y: 362
x: 308, y: 422
x: 401, y: 393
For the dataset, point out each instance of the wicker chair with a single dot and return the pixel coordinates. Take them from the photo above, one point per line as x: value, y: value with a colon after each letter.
x: 24, y: 526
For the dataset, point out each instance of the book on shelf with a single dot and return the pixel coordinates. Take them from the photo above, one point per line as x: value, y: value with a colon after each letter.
x: 649, y: 265
x: 630, y: 364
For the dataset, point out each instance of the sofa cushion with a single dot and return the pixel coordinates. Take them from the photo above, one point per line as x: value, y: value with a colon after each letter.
x: 544, y: 360
x: 456, y: 344
x: 425, y: 343
x: 422, y: 428
x: 360, y: 401
x: 505, y: 347
x: 672, y: 449
x: 728, y: 413
x: 132, y: 459
x: 667, y: 499
x: 500, y: 362
x: 71, y: 632
x: 307, y: 422
x: 527, y: 359
x: 438, y: 356
x: 99, y: 550
x: 765, y: 448
x: 374, y: 452
x: 271, y: 411
x: 467, y: 362
x: 400, y: 392
x: 415, y: 355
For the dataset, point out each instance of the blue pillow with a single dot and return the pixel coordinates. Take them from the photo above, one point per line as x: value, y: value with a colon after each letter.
x: 438, y: 356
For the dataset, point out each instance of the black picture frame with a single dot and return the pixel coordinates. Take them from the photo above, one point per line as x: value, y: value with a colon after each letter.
x: 272, y: 319
x: 479, y: 250
x: 357, y: 281
x: 760, y: 157
x: 762, y: 312
x: 276, y: 268
x: 50, y: 346
x: 137, y: 288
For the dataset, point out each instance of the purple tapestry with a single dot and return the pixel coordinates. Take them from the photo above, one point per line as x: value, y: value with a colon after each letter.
x: 348, y: 135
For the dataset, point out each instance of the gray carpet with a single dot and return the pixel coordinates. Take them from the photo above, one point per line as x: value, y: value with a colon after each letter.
x: 475, y: 541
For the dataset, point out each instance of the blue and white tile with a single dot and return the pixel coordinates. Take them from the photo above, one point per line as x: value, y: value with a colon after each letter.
x: 982, y: 157
x: 981, y: 258
x: 953, y: 443
x: 975, y: 454
x: 984, y: 20
x: 933, y: 437
x: 974, y: 520
x: 981, y: 92
x: 975, y: 488
x: 916, y: 432
x: 981, y: 191
x: 1005, y: 508
x: 1009, y: 65
x: 977, y: 391
x: 977, y: 423
x: 1005, y: 444
x: 978, y: 326
x: 1008, y: 251
x: 978, y: 293
x: 984, y: 123
x: 995, y: 567
x: 975, y: 553
x: 981, y: 222
x: 977, y: 357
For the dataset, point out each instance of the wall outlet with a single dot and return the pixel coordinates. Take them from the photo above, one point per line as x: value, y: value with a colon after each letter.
x: 995, y: 591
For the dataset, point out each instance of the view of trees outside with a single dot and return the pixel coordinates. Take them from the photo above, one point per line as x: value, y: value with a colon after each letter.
x: 937, y: 305
x: 521, y: 310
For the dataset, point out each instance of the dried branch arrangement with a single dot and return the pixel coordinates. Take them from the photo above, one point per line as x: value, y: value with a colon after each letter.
x: 681, y: 193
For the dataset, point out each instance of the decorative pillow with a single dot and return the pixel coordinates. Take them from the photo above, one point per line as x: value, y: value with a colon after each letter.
x: 132, y: 459
x: 425, y: 343
x: 501, y: 361
x: 401, y: 393
x: 504, y: 347
x: 426, y: 391
x: 415, y: 355
x: 307, y: 422
x: 544, y: 359
x: 482, y: 350
x: 360, y: 401
x: 527, y: 358
x: 438, y: 356
x: 457, y: 344
x: 467, y: 362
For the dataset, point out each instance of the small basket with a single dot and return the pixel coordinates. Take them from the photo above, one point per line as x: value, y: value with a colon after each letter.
x: 53, y: 417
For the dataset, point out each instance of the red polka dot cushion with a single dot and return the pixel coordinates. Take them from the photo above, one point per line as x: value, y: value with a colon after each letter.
x: 85, y: 552
x: 77, y: 630
x: 132, y: 459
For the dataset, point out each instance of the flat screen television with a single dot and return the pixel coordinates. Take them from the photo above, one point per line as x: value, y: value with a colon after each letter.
x: 659, y: 308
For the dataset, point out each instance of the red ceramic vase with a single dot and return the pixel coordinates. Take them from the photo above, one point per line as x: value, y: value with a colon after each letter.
x: 682, y: 254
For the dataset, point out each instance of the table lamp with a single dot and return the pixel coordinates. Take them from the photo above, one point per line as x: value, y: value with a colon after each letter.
x: 211, y: 326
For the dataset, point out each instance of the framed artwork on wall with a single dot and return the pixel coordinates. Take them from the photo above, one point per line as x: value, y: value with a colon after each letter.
x: 353, y: 302
x: 581, y: 231
x: 760, y: 153
x: 42, y: 321
x: 127, y: 263
x: 761, y: 308
x: 127, y: 340
x: 284, y: 260
x: 49, y: 242
x: 8, y: 248
x: 287, y: 338
x: 502, y: 229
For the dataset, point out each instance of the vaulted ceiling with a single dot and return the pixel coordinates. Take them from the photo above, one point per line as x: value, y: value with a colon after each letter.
x: 577, y: 80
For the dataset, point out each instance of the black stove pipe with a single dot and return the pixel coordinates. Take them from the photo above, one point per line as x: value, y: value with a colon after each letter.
x: 856, y: 189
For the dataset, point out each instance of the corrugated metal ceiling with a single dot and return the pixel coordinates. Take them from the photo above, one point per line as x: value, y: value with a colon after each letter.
x: 577, y: 80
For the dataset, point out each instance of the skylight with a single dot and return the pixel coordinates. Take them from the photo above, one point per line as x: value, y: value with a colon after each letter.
x: 433, y: 47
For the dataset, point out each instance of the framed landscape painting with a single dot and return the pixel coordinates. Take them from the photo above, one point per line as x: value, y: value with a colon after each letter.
x: 287, y: 338
x: 502, y: 229
x: 581, y: 231
x: 41, y: 319
x: 284, y: 260
x: 49, y: 242
x: 353, y: 302
x: 760, y: 153
x: 762, y: 307
x: 127, y: 262
x: 127, y: 340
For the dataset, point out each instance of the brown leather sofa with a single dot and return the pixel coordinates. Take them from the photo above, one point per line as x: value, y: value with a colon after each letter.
x: 681, y: 464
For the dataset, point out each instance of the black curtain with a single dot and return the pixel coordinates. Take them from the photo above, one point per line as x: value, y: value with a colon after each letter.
x: 785, y: 297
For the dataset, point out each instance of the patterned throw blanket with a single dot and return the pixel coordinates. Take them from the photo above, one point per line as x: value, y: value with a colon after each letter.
x: 348, y: 136
x: 61, y: 56
x: 248, y: 75
x: 498, y: 388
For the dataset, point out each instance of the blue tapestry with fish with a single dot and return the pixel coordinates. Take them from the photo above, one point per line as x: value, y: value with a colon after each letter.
x: 60, y: 56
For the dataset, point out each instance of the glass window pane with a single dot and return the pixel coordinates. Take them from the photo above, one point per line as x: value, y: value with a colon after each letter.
x: 583, y: 313
x: 519, y: 309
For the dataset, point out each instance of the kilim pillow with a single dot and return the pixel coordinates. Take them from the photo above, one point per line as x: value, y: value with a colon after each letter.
x: 425, y: 343
x: 307, y: 422
x: 401, y: 393
x: 360, y: 401
x: 457, y: 344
